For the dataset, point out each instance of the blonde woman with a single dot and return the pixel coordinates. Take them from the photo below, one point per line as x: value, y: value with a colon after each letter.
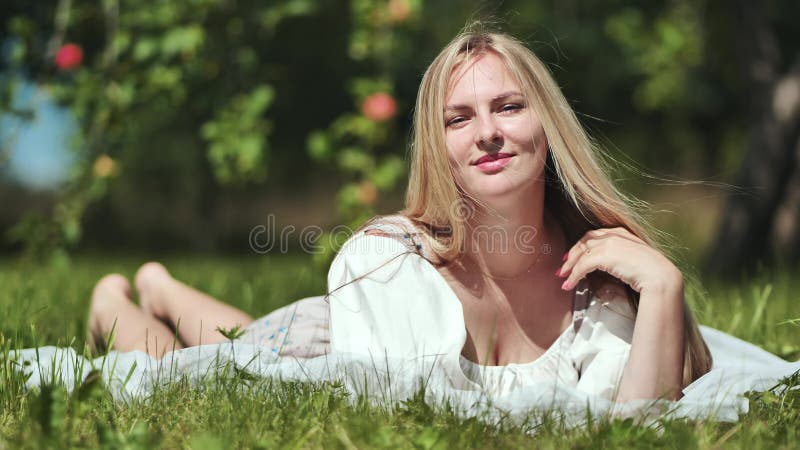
x: 514, y: 262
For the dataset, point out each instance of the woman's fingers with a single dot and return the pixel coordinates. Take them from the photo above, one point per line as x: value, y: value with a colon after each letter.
x: 583, y: 247
x: 622, y: 255
x: 592, y: 256
x: 598, y: 250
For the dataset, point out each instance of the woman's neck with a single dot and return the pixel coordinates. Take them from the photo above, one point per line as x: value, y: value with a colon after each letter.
x: 514, y: 238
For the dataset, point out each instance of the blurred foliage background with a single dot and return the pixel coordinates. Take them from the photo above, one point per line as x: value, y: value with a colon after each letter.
x: 194, y: 121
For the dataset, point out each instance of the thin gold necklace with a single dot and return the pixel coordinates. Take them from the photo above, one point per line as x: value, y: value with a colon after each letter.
x: 516, y: 277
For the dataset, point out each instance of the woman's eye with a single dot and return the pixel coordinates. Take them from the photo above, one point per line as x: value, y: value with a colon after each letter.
x: 511, y: 107
x: 455, y: 121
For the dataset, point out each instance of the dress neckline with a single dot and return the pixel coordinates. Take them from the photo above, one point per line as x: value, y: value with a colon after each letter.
x: 527, y: 364
x: 580, y: 301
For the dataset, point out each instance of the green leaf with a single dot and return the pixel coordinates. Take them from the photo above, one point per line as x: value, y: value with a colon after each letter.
x: 388, y: 173
x: 182, y: 40
x: 319, y: 147
x: 354, y: 159
x: 231, y: 333
x: 144, y: 49
x: 121, y: 42
x: 237, y: 137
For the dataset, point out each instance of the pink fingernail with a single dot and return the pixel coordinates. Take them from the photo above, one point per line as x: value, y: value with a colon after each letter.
x: 566, y: 255
x: 565, y: 286
x: 558, y: 272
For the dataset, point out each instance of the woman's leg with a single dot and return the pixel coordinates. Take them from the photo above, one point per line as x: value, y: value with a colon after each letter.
x: 112, y: 309
x: 194, y: 315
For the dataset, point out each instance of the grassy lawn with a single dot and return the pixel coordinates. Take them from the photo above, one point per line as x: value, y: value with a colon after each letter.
x: 44, y: 306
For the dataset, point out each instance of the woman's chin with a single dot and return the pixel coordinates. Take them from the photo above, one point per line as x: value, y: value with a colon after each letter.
x: 496, y: 192
x: 503, y: 194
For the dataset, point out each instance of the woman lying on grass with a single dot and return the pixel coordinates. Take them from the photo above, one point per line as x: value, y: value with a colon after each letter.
x: 503, y: 182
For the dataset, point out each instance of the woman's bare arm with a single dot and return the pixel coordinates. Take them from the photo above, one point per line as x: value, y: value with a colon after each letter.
x: 655, y: 364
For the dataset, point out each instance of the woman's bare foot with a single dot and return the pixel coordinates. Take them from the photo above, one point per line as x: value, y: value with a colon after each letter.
x: 152, y: 280
x: 109, y: 297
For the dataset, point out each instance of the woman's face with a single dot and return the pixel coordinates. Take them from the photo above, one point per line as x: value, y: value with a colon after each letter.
x: 495, y: 142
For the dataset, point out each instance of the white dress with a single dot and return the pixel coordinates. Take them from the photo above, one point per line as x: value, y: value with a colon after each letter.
x: 396, y: 326
x: 406, y: 308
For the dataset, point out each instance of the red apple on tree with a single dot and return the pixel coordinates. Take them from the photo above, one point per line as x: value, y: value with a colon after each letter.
x: 398, y: 10
x: 69, y: 56
x: 379, y: 107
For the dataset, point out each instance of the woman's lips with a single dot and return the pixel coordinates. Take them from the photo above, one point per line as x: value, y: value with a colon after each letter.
x: 492, y: 163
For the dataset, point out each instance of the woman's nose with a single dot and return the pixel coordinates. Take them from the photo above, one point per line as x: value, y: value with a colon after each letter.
x: 488, y: 137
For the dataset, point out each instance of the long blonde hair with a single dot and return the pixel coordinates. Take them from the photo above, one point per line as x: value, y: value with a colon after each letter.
x: 577, y: 189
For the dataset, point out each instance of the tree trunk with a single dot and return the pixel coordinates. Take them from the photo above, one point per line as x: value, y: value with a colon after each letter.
x: 748, y: 220
x: 786, y: 229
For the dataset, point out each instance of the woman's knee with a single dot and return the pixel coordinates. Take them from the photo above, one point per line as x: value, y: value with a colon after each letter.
x: 150, y: 281
x: 112, y: 282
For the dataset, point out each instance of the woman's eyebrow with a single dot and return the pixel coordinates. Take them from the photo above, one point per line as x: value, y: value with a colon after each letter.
x: 496, y: 98
x: 456, y: 107
x: 507, y: 94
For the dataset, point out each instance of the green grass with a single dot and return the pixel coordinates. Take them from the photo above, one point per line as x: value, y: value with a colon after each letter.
x: 44, y: 306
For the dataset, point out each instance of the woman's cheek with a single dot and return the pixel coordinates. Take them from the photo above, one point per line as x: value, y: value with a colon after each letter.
x: 455, y: 167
